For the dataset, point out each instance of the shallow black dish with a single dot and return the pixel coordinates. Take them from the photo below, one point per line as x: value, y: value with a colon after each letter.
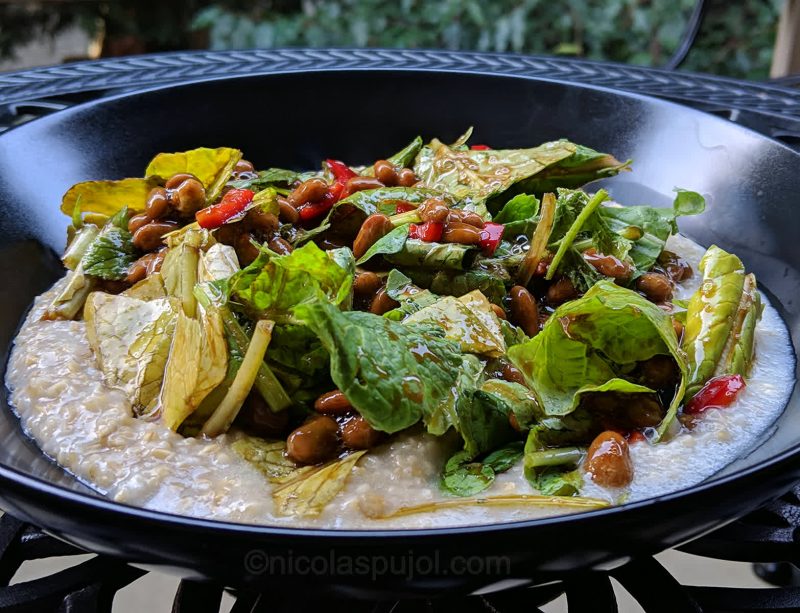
x: 295, y: 119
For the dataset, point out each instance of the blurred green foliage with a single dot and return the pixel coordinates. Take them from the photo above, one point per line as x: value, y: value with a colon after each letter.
x: 736, y: 39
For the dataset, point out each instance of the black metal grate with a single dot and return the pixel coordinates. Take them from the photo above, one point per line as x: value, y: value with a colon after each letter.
x: 767, y: 537
x: 90, y: 586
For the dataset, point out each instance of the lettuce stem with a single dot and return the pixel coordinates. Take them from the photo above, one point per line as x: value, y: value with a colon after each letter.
x: 576, y: 226
x: 223, y: 416
x: 266, y: 382
x: 404, y: 218
x: 79, y: 244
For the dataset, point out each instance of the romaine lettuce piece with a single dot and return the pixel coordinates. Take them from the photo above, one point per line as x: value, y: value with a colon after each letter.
x: 212, y: 167
x: 477, y: 175
x: 111, y: 253
x: 720, y: 320
x: 197, y: 363
x: 311, y: 491
x: 588, y: 344
x: 131, y: 340
x: 273, y: 286
x: 394, y: 374
x: 468, y: 320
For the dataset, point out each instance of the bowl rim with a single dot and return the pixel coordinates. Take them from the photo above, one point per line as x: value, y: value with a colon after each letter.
x: 416, y: 63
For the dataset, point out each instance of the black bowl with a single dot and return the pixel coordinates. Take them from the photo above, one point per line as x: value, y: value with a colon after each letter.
x: 295, y: 120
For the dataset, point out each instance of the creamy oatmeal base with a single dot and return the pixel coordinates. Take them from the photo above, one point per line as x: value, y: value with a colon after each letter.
x: 88, y: 428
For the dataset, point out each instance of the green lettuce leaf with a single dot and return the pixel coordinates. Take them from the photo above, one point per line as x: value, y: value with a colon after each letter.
x: 273, y: 285
x: 588, y: 344
x: 468, y: 320
x: 387, y: 245
x: 648, y: 228
x: 518, y: 215
x: 463, y: 476
x: 112, y: 252
x: 457, y: 283
x: 394, y: 374
x: 720, y: 320
x: 297, y: 348
x: 435, y: 256
x: 477, y: 175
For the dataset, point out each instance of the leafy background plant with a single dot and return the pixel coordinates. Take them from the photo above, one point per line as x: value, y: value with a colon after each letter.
x: 736, y: 39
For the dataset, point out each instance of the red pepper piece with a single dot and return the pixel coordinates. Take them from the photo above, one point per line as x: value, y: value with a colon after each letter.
x: 718, y: 393
x: 342, y: 173
x: 491, y: 235
x: 430, y: 231
x: 232, y: 204
x: 404, y: 207
x: 480, y: 147
x: 312, y: 210
x: 636, y: 437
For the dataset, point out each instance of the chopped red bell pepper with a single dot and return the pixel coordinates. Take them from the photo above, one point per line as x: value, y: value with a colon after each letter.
x: 636, y: 436
x: 232, y: 204
x: 430, y: 231
x: 718, y: 393
x: 404, y: 207
x: 480, y: 147
x: 312, y: 210
x: 491, y: 235
x: 342, y: 173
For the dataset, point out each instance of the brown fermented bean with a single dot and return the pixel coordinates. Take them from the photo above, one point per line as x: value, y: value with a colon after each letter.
x: 333, y: 403
x: 382, y: 303
x: 472, y: 219
x: 642, y: 411
x: 609, y: 460
x: 315, y: 441
x: 655, y: 286
x: 374, y: 228
x: 406, y: 177
x: 246, y: 251
x: 512, y: 373
x: 366, y: 284
x: 262, y: 221
x: 280, y: 245
x: 358, y: 184
x: 675, y: 266
x: 137, y: 221
x: 385, y: 172
x: 524, y: 310
x: 329, y: 242
x: 358, y: 434
x: 188, y: 197
x: 157, y: 203
x: 498, y: 310
x: 608, y: 265
x: 308, y: 191
x: 433, y: 209
x: 148, y: 237
x: 659, y: 372
x: 561, y: 291
x: 175, y: 180
x: 678, y: 327
x: 257, y: 418
x: 145, y: 266
x: 286, y: 212
x: 458, y: 232
x: 244, y: 166
x: 228, y: 233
